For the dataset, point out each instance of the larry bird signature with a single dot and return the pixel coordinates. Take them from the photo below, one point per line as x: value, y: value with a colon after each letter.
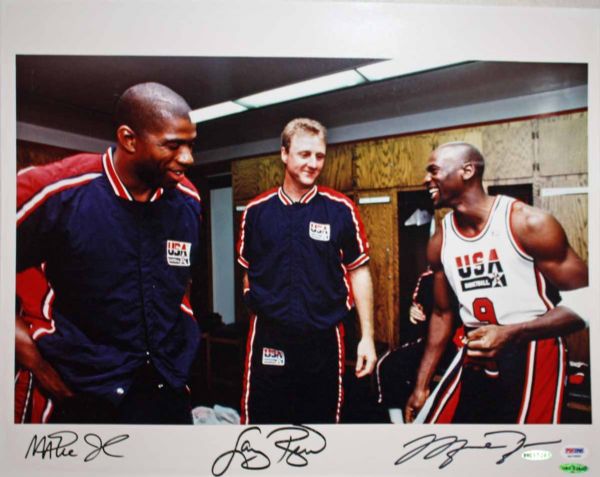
x: 289, y: 444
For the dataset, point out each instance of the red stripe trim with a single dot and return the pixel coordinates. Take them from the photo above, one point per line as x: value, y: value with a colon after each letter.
x: 36, y: 201
x: 541, y: 287
x: 528, y: 382
x: 378, y: 375
x: 283, y: 197
x: 114, y: 179
x: 306, y: 198
x: 561, y: 382
x: 245, y: 417
x: 22, y: 390
x: 361, y: 260
x: 189, y: 191
x: 361, y: 236
x: 513, y: 237
x: 241, y: 241
x: 444, y: 411
x: 543, y: 393
x: 47, y: 311
x: 339, y: 331
x: 426, y: 273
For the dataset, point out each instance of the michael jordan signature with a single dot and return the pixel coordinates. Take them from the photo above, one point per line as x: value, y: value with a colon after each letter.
x: 63, y: 444
x: 290, y: 444
x: 447, y: 448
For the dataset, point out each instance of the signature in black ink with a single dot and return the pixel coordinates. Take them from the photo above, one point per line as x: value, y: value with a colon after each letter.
x: 94, y: 441
x: 293, y: 444
x: 61, y: 444
x: 244, y: 449
x: 54, y: 445
x: 294, y: 454
x: 431, y: 446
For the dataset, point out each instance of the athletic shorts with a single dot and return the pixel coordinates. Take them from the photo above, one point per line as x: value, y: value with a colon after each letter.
x: 292, y: 377
x: 524, y: 385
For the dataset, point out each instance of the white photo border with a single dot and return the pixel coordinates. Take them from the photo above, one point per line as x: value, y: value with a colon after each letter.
x: 287, y: 29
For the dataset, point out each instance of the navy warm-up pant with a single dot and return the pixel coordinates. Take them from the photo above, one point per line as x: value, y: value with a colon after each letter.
x: 292, y: 376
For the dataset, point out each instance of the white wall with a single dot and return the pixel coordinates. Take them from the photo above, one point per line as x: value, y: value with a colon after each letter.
x: 221, y: 225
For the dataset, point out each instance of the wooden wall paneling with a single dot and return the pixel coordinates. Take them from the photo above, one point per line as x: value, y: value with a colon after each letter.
x: 244, y: 178
x: 270, y: 172
x: 381, y: 228
x: 376, y: 163
x: 337, y: 172
x: 394, y: 162
x: 471, y: 135
x: 508, y: 150
x: 570, y: 210
x: 563, y: 144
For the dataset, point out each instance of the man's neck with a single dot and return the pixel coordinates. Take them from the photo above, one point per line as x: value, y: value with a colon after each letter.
x: 473, y: 210
x: 138, y: 189
x: 293, y: 191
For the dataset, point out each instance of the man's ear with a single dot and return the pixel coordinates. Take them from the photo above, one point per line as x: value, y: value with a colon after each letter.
x: 284, y: 155
x: 127, y: 138
x: 468, y: 171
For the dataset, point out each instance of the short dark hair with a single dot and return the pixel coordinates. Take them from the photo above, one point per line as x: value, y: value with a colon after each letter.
x: 469, y: 153
x: 301, y: 124
x: 144, y: 106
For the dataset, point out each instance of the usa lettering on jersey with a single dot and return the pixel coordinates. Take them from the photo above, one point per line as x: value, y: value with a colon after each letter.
x: 319, y: 232
x: 273, y: 357
x: 178, y: 253
x: 480, y: 270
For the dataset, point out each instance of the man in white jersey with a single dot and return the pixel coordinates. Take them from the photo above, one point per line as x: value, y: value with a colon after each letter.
x: 501, y: 258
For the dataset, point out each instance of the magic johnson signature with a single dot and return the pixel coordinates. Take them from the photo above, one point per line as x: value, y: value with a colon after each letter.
x: 447, y: 448
x: 62, y: 444
x: 289, y: 444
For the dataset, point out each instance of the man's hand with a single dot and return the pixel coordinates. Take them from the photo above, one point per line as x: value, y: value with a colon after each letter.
x: 29, y: 357
x: 365, y: 357
x: 414, y: 404
x: 487, y: 341
x: 417, y: 315
x: 51, y: 382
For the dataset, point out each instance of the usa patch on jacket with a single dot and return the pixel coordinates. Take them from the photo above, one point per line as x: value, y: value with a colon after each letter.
x: 178, y: 253
x: 273, y: 357
x: 318, y: 231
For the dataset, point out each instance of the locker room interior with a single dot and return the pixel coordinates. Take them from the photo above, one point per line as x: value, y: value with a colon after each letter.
x: 528, y: 119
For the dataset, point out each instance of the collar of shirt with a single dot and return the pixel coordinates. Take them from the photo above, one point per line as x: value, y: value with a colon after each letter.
x: 116, y: 183
x: 305, y: 199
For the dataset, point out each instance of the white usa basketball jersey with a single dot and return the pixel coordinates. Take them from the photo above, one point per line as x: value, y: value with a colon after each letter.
x: 495, y: 281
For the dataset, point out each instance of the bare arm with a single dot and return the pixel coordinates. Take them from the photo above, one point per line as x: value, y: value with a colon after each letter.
x: 29, y: 357
x: 543, y: 238
x: 362, y: 287
x: 440, y: 330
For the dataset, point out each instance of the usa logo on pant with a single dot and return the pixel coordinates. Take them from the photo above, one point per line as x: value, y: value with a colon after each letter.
x: 178, y: 253
x: 273, y: 357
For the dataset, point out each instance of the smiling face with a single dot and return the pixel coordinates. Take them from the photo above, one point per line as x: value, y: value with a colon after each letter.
x: 444, y: 177
x: 164, y: 153
x: 304, y: 160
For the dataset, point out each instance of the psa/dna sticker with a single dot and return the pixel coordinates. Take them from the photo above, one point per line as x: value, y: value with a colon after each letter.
x: 319, y: 232
x: 574, y: 452
x: 273, y: 357
x: 536, y: 454
x: 178, y: 253
x: 574, y: 468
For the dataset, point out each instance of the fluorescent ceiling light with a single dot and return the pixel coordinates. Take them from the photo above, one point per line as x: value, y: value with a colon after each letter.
x: 216, y: 111
x: 399, y: 67
x: 311, y: 87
